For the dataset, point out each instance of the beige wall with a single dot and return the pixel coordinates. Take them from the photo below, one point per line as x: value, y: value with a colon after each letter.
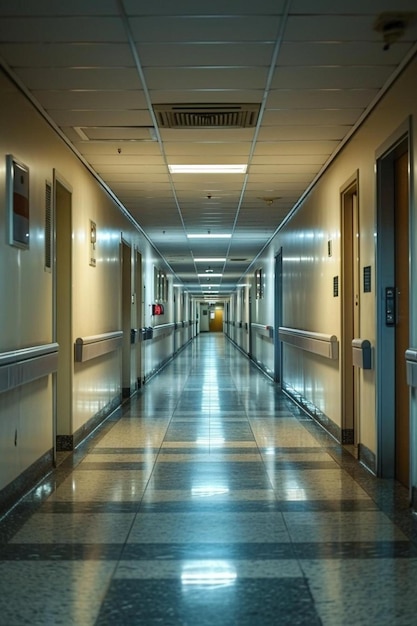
x: 308, y: 271
x: 26, y: 309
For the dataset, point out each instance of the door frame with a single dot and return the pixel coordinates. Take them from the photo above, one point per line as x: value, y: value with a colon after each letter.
x: 138, y: 312
x: 349, y: 302
x: 126, y: 316
x: 277, y: 316
x: 385, y: 277
x: 62, y: 324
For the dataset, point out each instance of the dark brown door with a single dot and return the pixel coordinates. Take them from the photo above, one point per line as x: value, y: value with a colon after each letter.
x: 402, y: 328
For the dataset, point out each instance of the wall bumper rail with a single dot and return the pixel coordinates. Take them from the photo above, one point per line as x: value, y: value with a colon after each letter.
x: 411, y: 366
x: 87, y: 348
x: 265, y: 331
x: 362, y: 353
x: 163, y: 330
x: 318, y: 343
x: 25, y: 365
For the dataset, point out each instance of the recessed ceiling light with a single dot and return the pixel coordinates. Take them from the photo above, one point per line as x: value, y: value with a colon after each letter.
x: 209, y: 259
x: 210, y: 275
x: 239, y: 168
x: 209, y: 236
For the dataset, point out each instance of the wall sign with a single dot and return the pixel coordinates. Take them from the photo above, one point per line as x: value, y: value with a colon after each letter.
x: 367, y: 285
x: 17, y: 189
x: 157, y: 309
x: 93, y: 241
x: 335, y: 286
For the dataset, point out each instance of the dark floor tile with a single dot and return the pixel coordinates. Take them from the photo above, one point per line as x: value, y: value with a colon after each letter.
x: 223, y: 505
x: 208, y: 551
x: 244, y: 602
x: 305, y: 465
x: 71, y: 507
x: 129, y: 450
x: 60, y: 552
x: 244, y: 475
x: 218, y: 450
x: 356, y: 550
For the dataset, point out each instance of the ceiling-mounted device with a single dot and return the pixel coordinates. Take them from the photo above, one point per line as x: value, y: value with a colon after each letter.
x: 207, y: 115
x: 392, y: 26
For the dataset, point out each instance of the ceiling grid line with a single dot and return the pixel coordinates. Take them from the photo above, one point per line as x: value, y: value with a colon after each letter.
x: 76, y: 64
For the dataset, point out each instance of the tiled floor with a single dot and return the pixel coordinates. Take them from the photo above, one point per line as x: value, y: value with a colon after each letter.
x: 210, y: 500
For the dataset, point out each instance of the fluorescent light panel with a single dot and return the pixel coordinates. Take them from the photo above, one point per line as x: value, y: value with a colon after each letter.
x: 210, y: 274
x: 210, y: 259
x: 237, y: 168
x: 209, y: 236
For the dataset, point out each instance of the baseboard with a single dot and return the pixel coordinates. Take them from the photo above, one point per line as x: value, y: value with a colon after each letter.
x: 367, y: 458
x: 66, y: 443
x: 15, y: 490
x: 314, y: 412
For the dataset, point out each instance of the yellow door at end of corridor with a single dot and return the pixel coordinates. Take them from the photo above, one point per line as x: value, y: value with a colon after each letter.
x: 216, y: 320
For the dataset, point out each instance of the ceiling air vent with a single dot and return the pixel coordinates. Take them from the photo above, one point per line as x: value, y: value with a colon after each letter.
x: 207, y: 116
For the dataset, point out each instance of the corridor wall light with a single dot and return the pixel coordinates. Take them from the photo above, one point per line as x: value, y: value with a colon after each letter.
x: 208, y: 169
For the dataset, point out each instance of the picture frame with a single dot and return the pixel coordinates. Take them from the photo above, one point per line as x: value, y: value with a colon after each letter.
x: 18, y: 202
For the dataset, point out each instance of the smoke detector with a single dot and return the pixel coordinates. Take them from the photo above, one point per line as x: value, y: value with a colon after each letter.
x: 269, y: 200
x: 392, y: 26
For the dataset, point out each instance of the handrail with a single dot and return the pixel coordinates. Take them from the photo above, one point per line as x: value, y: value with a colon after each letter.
x: 317, y: 343
x: 162, y: 330
x: 87, y: 348
x: 411, y: 366
x: 19, y: 367
x: 262, y: 329
x: 166, y: 326
x: 362, y: 353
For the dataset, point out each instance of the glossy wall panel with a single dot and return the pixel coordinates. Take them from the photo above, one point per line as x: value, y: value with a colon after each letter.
x: 27, y: 306
x: 312, y: 265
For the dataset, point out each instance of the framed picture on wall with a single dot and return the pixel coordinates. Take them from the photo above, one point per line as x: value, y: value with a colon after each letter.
x: 17, y: 190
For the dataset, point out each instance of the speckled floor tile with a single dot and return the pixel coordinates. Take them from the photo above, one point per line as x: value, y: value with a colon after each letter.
x: 65, y: 528
x: 103, y: 485
x: 225, y: 601
x: 341, y: 532
x: 62, y: 594
x: 209, y: 499
x: 381, y: 592
x: 208, y: 527
x: 170, y: 569
x: 215, y: 495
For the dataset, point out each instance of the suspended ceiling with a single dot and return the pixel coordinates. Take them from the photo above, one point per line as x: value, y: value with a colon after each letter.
x: 138, y: 86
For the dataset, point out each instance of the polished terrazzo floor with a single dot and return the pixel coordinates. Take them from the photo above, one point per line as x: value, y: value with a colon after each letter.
x: 209, y: 499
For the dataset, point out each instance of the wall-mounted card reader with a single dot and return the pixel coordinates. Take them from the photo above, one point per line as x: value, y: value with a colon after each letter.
x: 390, y: 306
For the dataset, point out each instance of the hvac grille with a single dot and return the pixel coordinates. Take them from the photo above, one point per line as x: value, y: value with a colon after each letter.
x: 207, y: 116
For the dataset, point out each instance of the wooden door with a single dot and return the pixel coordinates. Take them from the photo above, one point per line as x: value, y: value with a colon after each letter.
x: 402, y: 455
